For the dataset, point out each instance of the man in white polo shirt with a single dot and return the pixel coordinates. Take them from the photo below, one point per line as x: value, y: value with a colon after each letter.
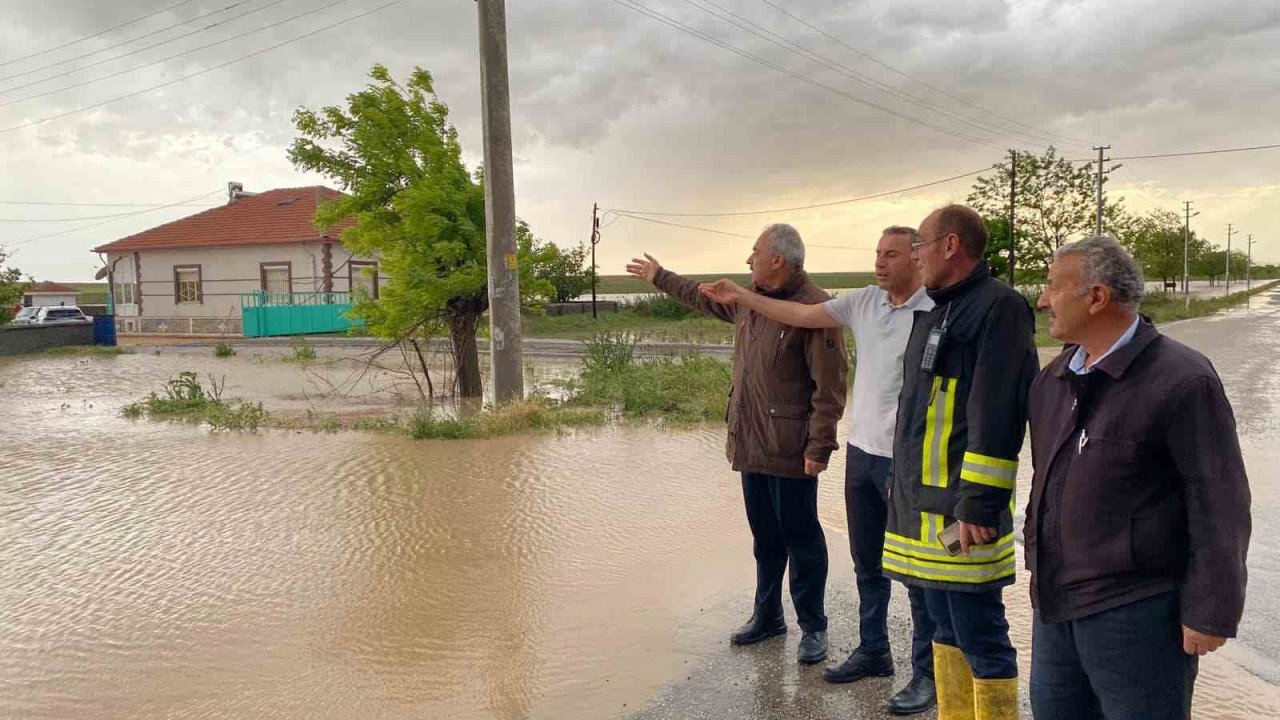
x: 880, y: 317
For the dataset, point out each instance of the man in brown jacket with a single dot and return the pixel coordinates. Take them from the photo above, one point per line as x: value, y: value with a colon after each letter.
x: 1138, y: 521
x: 788, y: 394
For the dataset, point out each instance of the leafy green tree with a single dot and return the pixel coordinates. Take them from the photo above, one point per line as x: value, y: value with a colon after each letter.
x: 11, y: 288
x: 564, y: 273
x: 417, y: 209
x: 1056, y: 203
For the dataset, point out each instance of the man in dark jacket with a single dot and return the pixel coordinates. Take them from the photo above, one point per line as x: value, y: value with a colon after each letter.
x: 968, y: 367
x: 1138, y: 521
x: 788, y: 394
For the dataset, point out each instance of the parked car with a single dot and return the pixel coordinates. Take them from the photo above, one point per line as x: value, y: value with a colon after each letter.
x: 61, y: 315
x: 25, y: 316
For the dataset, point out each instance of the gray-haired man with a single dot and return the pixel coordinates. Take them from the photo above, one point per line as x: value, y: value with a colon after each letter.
x: 1138, y: 521
x: 787, y: 396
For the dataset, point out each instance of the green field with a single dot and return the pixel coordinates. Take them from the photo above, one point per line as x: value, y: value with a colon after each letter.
x: 619, y: 284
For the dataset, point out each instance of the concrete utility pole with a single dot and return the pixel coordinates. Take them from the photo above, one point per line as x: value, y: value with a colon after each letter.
x: 1227, y: 272
x: 506, y: 355
x: 1248, y: 267
x: 1186, y: 245
x: 1013, y: 236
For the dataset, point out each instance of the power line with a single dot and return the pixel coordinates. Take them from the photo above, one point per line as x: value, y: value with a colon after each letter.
x: 75, y: 204
x: 180, y: 203
x: 170, y: 57
x: 682, y: 225
x: 126, y: 42
x: 70, y: 219
x: 769, y: 36
x: 188, y: 76
x: 655, y: 15
x: 806, y: 207
x: 900, y: 73
x: 96, y: 34
x: 1200, y: 152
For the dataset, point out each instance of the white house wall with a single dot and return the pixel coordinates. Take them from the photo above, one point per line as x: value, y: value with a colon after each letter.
x: 225, y: 274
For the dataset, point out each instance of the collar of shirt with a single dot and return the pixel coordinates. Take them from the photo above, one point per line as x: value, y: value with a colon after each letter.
x: 1076, y: 365
x: 919, y: 300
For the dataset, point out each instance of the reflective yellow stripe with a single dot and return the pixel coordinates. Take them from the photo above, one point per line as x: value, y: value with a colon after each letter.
x: 937, y: 433
x: 995, y: 462
x: 914, y: 548
x: 987, y: 470
x: 977, y: 554
x: 928, y: 473
x: 934, y: 571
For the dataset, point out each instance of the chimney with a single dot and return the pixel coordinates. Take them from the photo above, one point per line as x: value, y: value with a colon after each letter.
x: 235, y: 191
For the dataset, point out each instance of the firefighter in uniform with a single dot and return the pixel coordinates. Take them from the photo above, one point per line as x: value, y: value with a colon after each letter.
x: 962, y: 414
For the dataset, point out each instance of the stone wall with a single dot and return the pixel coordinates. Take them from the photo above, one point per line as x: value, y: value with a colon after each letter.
x: 22, y: 339
x: 180, y: 325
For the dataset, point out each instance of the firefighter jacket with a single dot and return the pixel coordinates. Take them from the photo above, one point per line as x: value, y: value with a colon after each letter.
x: 960, y: 429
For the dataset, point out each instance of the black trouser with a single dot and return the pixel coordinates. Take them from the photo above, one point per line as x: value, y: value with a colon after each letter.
x: 975, y: 623
x: 1120, y: 664
x: 866, y: 506
x: 783, y: 514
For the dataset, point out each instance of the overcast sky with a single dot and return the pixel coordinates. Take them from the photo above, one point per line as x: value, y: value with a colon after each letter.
x: 615, y: 108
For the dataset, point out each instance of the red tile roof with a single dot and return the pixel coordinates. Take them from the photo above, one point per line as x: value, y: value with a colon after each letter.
x: 51, y: 287
x: 273, y: 217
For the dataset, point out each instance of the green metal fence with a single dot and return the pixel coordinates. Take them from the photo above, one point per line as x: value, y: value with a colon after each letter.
x: 268, y: 314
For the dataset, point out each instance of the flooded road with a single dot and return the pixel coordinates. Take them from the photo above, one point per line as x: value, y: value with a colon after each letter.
x: 155, y: 570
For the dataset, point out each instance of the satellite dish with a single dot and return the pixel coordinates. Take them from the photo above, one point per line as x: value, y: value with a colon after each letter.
x: 102, y: 272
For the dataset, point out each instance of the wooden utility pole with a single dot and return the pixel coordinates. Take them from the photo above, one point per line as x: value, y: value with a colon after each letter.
x: 1101, y: 178
x: 595, y: 240
x: 506, y: 355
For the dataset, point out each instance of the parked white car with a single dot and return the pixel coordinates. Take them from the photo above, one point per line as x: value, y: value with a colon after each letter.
x: 60, y: 315
x: 25, y: 316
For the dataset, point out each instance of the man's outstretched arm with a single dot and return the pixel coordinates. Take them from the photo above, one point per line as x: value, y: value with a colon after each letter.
x: 727, y: 292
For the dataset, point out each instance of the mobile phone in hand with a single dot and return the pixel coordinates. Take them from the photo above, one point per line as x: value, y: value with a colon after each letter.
x: 950, y: 538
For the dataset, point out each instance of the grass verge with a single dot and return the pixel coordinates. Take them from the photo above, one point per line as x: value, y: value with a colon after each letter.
x: 185, y: 398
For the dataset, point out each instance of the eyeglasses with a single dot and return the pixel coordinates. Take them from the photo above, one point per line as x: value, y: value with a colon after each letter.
x: 916, y: 245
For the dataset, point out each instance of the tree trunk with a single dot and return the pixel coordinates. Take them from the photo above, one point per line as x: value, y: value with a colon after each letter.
x: 463, y: 319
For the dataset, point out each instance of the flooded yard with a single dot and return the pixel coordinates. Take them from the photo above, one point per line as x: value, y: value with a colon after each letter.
x: 159, y: 570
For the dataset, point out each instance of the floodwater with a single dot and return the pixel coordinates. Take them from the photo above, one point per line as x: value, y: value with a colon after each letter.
x: 159, y: 570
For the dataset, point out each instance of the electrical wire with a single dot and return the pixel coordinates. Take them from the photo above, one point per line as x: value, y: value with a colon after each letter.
x: 99, y: 33
x: 660, y: 17
x: 985, y: 111
x: 180, y: 203
x: 807, y: 207
x: 769, y: 36
x: 188, y: 76
x: 170, y: 57
x: 132, y: 40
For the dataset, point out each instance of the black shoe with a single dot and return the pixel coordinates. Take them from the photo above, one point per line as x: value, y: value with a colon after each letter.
x: 813, y: 647
x: 860, y: 665
x: 758, y: 629
x: 919, y: 695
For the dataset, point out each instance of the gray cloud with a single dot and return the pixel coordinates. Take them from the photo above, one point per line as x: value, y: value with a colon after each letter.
x: 614, y: 107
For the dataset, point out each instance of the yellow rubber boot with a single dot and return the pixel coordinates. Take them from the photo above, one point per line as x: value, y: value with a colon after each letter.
x: 995, y: 699
x: 955, y: 683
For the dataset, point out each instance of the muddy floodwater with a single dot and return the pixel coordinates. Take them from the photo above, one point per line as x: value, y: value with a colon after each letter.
x: 158, y: 570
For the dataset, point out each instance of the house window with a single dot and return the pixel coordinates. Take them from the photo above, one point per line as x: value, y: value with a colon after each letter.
x: 364, y: 279
x: 124, y: 293
x: 187, y: 286
x: 277, y: 277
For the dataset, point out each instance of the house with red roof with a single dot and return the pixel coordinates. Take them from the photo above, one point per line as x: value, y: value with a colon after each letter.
x: 190, y: 276
x: 49, y: 294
